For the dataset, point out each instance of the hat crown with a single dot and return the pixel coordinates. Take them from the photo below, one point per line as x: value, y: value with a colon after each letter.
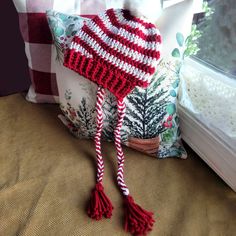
x: 120, y: 51
x: 119, y: 26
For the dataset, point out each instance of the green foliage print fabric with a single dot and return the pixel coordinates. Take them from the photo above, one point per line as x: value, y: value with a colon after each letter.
x: 151, y: 124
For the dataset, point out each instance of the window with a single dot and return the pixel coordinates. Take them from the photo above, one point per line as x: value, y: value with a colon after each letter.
x: 218, y: 40
x: 207, y: 96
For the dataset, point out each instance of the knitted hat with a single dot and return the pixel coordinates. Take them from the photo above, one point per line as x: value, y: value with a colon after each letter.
x: 118, y: 52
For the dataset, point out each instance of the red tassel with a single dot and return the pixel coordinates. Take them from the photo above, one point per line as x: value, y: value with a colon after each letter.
x: 100, y: 205
x: 137, y: 220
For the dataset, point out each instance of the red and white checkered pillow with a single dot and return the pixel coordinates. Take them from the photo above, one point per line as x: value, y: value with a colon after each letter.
x: 38, y: 41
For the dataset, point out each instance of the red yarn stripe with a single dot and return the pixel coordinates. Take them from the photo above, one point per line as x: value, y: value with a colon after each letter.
x: 114, y: 80
x: 109, y: 64
x: 97, y: 138
x: 144, y: 67
x: 124, y: 41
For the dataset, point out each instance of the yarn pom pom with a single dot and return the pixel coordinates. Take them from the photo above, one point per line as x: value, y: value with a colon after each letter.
x: 100, y: 205
x: 148, y: 9
x: 137, y: 220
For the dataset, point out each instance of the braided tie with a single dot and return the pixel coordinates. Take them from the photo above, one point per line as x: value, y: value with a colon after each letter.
x: 120, y: 155
x: 99, y: 204
x: 137, y: 220
x: 97, y: 138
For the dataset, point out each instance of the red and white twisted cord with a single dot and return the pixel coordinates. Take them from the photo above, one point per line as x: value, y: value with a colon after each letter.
x: 97, y: 138
x: 120, y: 154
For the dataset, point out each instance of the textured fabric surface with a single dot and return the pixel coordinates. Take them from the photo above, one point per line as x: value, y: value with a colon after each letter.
x: 200, y: 88
x: 46, y: 176
x: 38, y: 42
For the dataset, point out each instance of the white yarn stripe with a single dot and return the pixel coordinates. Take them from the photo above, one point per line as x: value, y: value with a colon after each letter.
x: 124, y: 66
x: 121, y: 48
x: 124, y: 33
x: 80, y: 49
x: 133, y: 24
x: 98, y: 151
x: 120, y: 177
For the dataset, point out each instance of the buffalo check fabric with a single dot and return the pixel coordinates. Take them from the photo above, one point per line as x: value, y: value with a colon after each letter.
x: 38, y: 41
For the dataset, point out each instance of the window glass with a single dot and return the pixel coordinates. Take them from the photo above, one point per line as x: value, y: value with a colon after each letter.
x: 217, y: 42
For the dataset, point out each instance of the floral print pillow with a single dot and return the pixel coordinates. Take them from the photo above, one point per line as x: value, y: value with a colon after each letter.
x: 151, y: 124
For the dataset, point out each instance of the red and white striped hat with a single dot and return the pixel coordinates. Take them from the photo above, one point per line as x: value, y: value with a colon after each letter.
x: 115, y: 50
x: 118, y: 52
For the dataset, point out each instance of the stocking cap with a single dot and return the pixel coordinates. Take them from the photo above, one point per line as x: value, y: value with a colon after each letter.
x: 118, y: 52
x: 115, y: 50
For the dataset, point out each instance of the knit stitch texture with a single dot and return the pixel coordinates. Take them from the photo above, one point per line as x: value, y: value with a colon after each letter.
x: 115, y: 50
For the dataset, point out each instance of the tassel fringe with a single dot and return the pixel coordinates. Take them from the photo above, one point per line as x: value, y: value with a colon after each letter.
x: 100, y: 205
x: 137, y: 220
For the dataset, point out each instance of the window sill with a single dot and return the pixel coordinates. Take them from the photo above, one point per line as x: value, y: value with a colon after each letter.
x: 217, y: 151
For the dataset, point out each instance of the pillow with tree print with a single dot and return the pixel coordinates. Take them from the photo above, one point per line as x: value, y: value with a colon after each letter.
x: 151, y: 124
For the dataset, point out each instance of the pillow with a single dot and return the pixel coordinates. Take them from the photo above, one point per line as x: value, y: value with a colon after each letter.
x: 38, y: 41
x: 151, y: 123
